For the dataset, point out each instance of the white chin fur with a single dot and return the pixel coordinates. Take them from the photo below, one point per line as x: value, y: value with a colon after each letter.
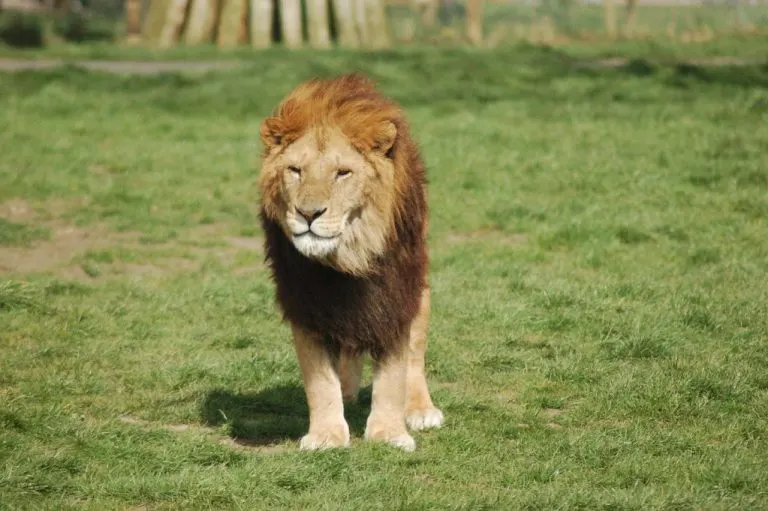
x: 314, y: 246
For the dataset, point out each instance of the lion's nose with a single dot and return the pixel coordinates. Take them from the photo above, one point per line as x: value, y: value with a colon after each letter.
x: 310, y: 214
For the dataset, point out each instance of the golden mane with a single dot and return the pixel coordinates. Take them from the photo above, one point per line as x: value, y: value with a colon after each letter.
x: 349, y: 103
x: 376, y: 127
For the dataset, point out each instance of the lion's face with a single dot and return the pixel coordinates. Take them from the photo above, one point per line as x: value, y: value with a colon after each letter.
x: 333, y: 201
x: 324, y: 191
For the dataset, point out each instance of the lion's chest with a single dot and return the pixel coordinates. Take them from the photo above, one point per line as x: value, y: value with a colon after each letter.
x: 362, y: 314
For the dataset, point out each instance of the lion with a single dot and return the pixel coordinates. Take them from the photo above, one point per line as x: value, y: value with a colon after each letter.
x: 344, y: 213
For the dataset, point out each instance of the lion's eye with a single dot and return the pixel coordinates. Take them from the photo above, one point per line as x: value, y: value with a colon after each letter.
x: 294, y: 170
x: 343, y: 172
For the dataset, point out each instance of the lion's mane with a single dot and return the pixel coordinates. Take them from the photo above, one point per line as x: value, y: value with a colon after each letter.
x: 373, y: 311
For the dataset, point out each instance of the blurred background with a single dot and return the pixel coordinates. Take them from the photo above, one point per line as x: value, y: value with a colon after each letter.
x: 375, y: 24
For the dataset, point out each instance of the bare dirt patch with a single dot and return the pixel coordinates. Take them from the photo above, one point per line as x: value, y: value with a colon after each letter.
x: 21, y: 211
x: 205, y: 232
x: 66, y: 242
x: 62, y: 255
x: 149, y: 67
x: 551, y: 414
x: 615, y: 62
x: 65, y: 252
x: 248, y: 243
x: 17, y: 210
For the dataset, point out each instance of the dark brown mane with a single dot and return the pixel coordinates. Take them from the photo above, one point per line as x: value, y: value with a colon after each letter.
x: 371, y: 313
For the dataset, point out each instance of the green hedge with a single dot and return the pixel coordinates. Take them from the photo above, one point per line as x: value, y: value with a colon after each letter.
x: 21, y: 29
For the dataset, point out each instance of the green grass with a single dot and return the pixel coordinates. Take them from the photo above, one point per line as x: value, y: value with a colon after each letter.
x: 12, y: 233
x: 747, y: 47
x: 599, y: 272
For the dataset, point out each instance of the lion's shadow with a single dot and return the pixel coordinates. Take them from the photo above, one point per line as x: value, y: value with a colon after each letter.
x: 273, y: 415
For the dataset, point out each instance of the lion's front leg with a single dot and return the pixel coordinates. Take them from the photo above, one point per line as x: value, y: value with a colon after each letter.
x: 327, y: 427
x: 420, y: 412
x: 386, y: 423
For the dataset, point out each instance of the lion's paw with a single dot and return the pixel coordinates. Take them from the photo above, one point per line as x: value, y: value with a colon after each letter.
x: 402, y: 441
x: 426, y: 418
x: 328, y: 438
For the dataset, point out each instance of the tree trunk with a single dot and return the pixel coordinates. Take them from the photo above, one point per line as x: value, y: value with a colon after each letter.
x: 261, y: 23
x: 229, y: 23
x: 317, y: 18
x: 475, y: 13
x: 290, y: 23
x: 610, y: 18
x: 427, y: 10
x: 133, y: 21
x: 244, y: 34
x: 629, y: 27
x: 22, y: 5
x: 201, y: 23
x: 360, y: 15
x: 174, y: 19
x: 344, y: 11
x: 153, y: 25
x: 377, y: 26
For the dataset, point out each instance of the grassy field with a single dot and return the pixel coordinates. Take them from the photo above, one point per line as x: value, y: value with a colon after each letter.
x: 747, y: 48
x: 599, y: 247
x: 657, y: 49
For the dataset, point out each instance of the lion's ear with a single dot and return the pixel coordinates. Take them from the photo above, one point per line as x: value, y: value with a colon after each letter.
x: 272, y: 131
x: 384, y: 137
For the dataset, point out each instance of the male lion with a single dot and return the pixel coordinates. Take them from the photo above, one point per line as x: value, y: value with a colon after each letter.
x: 344, y: 212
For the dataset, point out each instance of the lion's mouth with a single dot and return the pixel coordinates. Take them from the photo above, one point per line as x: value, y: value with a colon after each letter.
x: 313, y: 234
x: 315, y: 245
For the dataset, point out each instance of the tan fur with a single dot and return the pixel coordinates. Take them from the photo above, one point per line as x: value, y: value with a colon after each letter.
x: 319, y: 154
x: 350, y: 373
x: 327, y: 427
x: 420, y: 412
x: 387, y: 420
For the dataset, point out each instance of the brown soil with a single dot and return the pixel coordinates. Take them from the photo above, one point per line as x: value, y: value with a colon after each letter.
x: 17, y: 211
x: 61, y: 253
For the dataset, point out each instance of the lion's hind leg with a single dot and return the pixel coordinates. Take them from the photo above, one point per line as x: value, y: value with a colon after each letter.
x: 327, y: 426
x: 420, y: 412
